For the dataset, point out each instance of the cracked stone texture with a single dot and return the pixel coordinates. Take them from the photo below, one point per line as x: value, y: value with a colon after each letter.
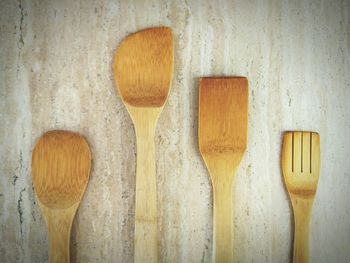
x: 56, y: 73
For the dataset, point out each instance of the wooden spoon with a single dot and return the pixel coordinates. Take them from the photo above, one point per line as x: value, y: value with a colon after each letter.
x: 61, y: 164
x: 223, y: 118
x: 143, y: 72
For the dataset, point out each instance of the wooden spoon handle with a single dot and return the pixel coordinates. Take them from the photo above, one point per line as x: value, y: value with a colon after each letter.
x: 59, y: 222
x: 223, y: 222
x: 146, y: 248
x: 302, y: 214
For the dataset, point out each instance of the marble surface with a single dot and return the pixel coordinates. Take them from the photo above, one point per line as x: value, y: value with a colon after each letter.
x: 56, y: 73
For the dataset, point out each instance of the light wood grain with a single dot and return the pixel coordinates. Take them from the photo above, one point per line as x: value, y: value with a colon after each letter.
x: 301, y: 170
x: 223, y: 122
x: 56, y: 73
x: 143, y: 72
x: 61, y: 165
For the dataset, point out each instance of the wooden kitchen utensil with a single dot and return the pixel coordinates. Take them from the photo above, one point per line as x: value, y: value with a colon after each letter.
x: 301, y: 170
x: 223, y: 120
x: 61, y: 164
x: 143, y: 72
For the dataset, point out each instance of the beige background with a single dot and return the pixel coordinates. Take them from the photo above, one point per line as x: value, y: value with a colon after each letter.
x: 56, y: 73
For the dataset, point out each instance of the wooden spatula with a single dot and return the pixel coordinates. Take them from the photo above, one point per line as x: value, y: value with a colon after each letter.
x: 223, y: 120
x: 143, y: 72
x: 301, y: 170
x: 61, y: 164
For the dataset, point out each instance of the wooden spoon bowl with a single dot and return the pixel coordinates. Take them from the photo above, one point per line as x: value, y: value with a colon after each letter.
x: 61, y: 165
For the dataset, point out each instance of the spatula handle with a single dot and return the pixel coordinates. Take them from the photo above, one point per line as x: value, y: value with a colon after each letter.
x: 223, y: 222
x: 302, y: 214
x: 146, y: 248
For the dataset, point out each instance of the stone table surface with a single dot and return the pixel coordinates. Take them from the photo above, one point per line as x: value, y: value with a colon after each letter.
x: 56, y: 73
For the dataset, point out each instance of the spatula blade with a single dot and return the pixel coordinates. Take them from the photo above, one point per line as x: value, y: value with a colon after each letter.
x: 223, y: 115
x: 143, y: 67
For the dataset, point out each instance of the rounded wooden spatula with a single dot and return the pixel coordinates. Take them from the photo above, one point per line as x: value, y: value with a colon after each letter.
x: 61, y: 165
x: 143, y: 70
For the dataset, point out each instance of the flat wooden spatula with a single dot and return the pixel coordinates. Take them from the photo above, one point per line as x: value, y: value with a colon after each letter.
x: 223, y: 121
x: 61, y: 164
x: 143, y: 72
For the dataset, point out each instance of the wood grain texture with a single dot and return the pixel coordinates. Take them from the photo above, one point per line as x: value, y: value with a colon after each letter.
x: 222, y: 134
x: 143, y: 71
x: 144, y: 65
x: 56, y: 72
x: 223, y: 115
x: 301, y: 171
x: 61, y: 166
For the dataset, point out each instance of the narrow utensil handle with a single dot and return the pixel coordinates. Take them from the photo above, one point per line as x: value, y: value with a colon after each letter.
x: 59, y: 222
x: 302, y: 215
x: 146, y: 248
x: 223, y: 222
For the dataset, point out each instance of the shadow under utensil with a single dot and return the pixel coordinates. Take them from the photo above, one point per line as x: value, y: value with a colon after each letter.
x: 195, y: 113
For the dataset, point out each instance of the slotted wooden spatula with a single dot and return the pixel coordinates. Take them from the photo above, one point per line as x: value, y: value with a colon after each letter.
x: 61, y: 164
x: 143, y: 72
x: 223, y: 120
x: 301, y: 170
